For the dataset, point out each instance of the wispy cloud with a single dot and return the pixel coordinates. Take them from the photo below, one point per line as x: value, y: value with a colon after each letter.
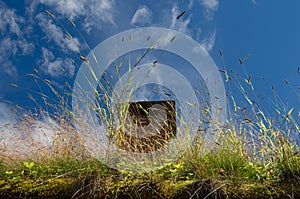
x: 142, y: 16
x: 182, y: 25
x: 10, y: 21
x: 56, y: 67
x: 191, y: 3
x: 5, y: 114
x: 12, y: 40
x: 9, y: 68
x: 211, y: 6
x: 8, y: 48
x: 179, y: 25
x: 56, y: 34
x: 209, y: 42
x: 91, y: 11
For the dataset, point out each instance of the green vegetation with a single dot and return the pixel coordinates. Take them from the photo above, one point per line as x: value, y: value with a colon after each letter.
x: 224, y: 174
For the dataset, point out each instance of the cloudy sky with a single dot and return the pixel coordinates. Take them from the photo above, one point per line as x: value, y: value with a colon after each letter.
x: 264, y: 35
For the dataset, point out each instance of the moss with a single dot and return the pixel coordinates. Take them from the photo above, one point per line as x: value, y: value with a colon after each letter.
x: 169, y: 188
x: 25, y: 188
x: 228, y: 189
x: 143, y: 187
x: 262, y: 190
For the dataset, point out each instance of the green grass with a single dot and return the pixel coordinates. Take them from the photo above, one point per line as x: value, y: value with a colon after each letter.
x: 221, y: 173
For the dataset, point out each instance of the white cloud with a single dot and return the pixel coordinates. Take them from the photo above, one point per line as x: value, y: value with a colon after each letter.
x: 254, y: 1
x: 69, y: 8
x: 142, y: 16
x: 10, y: 47
x: 56, y: 67
x: 91, y: 11
x: 179, y: 25
x: 9, y: 68
x: 191, y: 3
x: 12, y: 40
x: 210, y: 6
x: 5, y: 114
x: 9, y: 20
x: 209, y: 42
x: 56, y: 34
x: 165, y: 39
x: 29, y: 137
x: 182, y: 25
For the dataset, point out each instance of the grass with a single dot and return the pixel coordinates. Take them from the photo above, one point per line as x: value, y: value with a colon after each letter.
x: 231, y: 170
x: 224, y: 174
x: 254, y: 155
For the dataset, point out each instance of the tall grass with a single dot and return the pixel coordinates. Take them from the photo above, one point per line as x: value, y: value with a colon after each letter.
x: 252, y: 146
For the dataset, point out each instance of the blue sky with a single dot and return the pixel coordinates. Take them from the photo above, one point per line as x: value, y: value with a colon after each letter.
x: 267, y: 31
